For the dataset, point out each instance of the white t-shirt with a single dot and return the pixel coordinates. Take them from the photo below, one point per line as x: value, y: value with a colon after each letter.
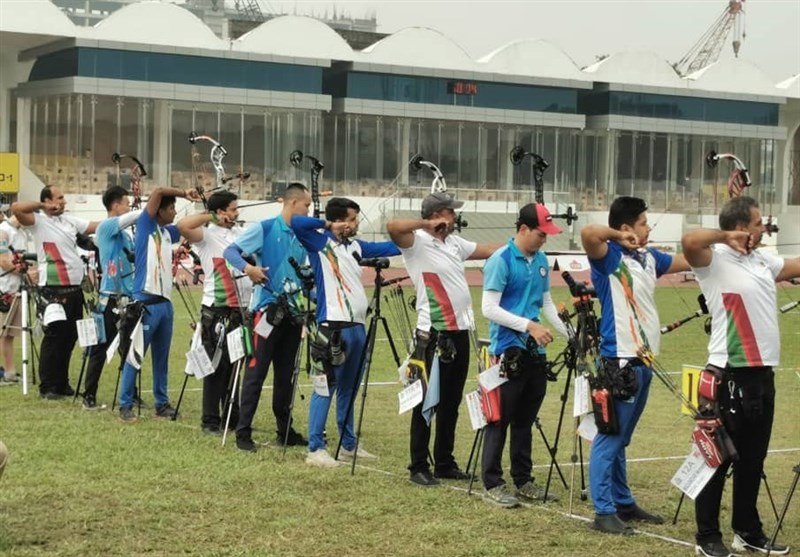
x: 10, y: 239
x: 437, y: 270
x: 59, y: 262
x: 742, y: 299
x: 221, y: 287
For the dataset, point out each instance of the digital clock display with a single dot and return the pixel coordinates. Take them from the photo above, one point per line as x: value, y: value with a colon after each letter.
x: 462, y: 88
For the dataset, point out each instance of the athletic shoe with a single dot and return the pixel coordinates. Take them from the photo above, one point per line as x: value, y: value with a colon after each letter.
x: 89, y: 403
x: 127, y: 415
x: 758, y: 542
x: 423, y: 478
x: 321, y: 458
x: 611, y: 524
x: 165, y: 411
x: 630, y: 513
x: 532, y: 492
x: 712, y: 549
x: 211, y: 429
x: 10, y: 379
x: 294, y: 439
x: 246, y: 444
x: 347, y: 454
x: 50, y: 395
x: 500, y: 496
x: 454, y: 473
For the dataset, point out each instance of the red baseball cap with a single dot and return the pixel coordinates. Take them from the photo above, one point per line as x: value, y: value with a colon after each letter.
x: 536, y: 215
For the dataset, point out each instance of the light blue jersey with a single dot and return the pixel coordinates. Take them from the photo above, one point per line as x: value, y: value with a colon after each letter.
x: 523, y: 282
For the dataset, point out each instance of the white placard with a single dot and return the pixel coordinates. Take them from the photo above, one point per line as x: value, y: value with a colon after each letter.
x: 235, y: 345
x: 410, y: 397
x: 320, y: 383
x: 588, y: 428
x: 694, y: 474
x: 490, y: 379
x: 476, y: 417
x: 198, y: 363
x: 112, y: 349
x: 87, y: 332
x: 580, y: 400
x: 263, y: 328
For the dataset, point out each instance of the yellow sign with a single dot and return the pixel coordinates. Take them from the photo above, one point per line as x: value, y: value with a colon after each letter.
x: 691, y: 378
x: 9, y: 173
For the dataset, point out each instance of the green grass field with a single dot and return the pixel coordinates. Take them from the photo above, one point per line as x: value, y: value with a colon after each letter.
x: 84, y: 483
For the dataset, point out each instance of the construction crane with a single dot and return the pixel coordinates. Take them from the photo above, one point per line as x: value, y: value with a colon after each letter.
x: 249, y: 10
x: 706, y: 50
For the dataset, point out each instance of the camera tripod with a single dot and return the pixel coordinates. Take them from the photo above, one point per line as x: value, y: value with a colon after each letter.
x: 365, y: 362
x: 789, y: 494
x: 21, y: 302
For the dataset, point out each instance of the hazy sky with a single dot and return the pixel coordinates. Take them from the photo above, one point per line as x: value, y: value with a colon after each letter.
x: 587, y: 28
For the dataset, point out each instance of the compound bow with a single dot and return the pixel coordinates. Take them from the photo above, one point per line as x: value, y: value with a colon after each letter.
x: 137, y: 172
x: 438, y: 185
x: 517, y: 155
x: 738, y: 182
x: 218, y: 153
x: 296, y: 158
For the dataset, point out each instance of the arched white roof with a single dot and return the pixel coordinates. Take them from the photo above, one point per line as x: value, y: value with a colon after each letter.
x: 533, y: 57
x: 295, y: 36
x: 40, y: 17
x: 419, y: 47
x: 733, y: 75
x: 637, y: 68
x: 159, y: 23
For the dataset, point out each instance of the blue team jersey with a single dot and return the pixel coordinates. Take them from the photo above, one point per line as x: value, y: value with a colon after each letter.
x: 337, y: 273
x: 153, y: 266
x: 271, y: 242
x: 625, y: 281
x: 115, y: 243
x: 523, y: 282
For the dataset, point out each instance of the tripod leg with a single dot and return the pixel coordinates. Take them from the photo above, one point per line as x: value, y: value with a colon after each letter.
x: 678, y: 510
x: 769, y: 494
x: 370, y: 347
x: 139, y: 402
x: 391, y: 341
x: 554, y: 450
x: 550, y: 452
x: 474, y: 453
x: 295, y: 380
x: 584, y: 493
x: 116, y: 387
x: 232, y: 392
x: 785, y: 508
x: 180, y: 396
x: 86, y: 355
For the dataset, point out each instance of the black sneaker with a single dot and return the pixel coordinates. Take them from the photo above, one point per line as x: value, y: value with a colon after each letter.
x: 631, y: 513
x: 89, y: 403
x: 611, y: 524
x: 212, y: 430
x: 293, y: 440
x: 246, y: 444
x: 454, y: 473
x: 165, y: 411
x: 67, y: 391
x: 424, y: 478
x: 712, y: 549
x: 51, y: 395
x: 127, y: 415
x: 757, y: 542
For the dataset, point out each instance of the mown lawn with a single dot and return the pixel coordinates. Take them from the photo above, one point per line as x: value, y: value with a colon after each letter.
x: 83, y: 483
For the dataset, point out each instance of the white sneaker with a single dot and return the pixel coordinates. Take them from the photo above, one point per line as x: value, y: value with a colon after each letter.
x: 321, y: 458
x: 345, y: 454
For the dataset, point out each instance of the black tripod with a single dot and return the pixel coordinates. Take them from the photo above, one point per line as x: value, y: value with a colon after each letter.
x: 306, y: 276
x: 785, y: 508
x: 365, y: 363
